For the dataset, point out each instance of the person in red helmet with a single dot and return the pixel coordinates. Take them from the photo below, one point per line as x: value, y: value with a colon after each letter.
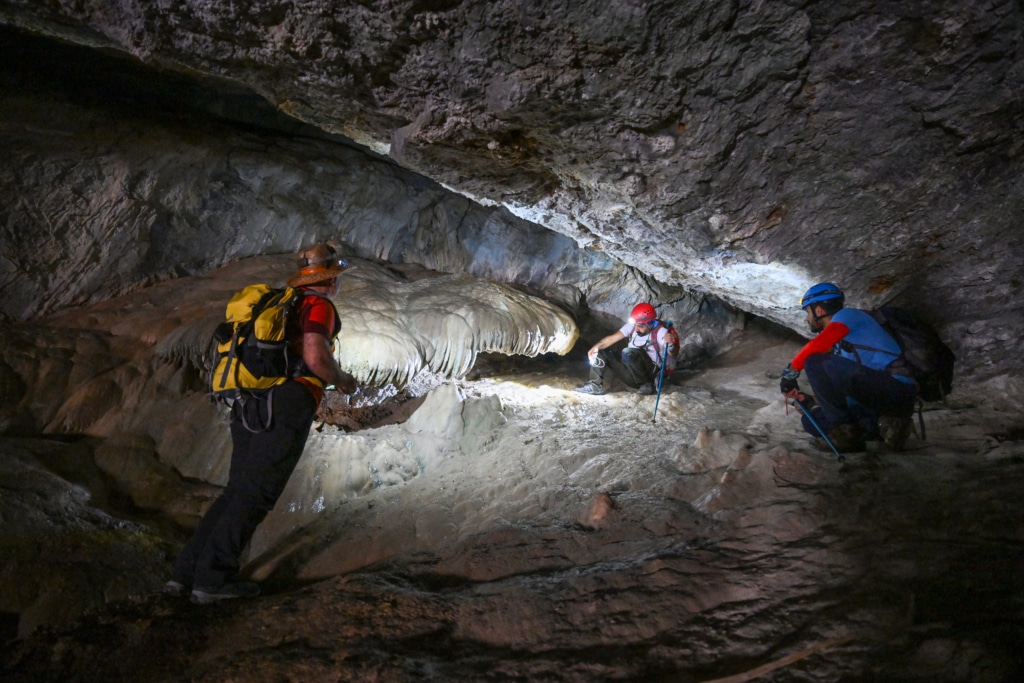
x: 640, y: 362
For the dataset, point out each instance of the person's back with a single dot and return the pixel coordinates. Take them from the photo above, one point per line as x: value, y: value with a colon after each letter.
x: 867, y: 342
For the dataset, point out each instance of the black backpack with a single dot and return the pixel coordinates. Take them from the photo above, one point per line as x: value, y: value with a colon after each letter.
x: 928, y: 360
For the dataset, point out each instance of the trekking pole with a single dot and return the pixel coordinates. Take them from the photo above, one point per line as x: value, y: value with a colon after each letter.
x: 661, y: 381
x: 839, y: 456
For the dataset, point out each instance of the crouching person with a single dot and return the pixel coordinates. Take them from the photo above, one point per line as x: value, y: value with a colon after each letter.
x: 650, y: 344
x: 860, y: 392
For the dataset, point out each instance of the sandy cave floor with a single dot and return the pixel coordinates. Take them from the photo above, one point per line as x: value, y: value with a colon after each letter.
x: 573, y: 539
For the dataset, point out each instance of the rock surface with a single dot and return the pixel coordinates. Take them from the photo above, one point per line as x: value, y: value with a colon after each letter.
x: 745, y: 149
x: 714, y: 158
x: 510, y: 530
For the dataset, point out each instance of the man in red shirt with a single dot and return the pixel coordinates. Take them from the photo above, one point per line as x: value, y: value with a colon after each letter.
x: 263, y: 460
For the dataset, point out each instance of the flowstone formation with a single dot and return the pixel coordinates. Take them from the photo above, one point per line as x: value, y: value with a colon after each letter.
x: 118, y: 394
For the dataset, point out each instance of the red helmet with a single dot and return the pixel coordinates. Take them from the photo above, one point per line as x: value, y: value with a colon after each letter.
x: 643, y: 314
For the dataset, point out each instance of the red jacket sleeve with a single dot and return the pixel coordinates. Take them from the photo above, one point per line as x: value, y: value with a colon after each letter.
x: 823, y: 343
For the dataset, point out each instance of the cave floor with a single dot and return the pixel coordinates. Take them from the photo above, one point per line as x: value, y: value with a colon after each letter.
x: 577, y: 538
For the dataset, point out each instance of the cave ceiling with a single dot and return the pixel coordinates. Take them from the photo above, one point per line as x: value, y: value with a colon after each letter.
x: 740, y: 149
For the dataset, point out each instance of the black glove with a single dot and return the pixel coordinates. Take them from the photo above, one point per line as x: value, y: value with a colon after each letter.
x: 788, y: 381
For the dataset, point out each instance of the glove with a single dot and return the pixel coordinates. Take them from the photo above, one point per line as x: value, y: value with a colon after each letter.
x: 788, y: 381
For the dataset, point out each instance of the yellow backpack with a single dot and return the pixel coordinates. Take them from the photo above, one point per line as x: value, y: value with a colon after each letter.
x: 249, y: 348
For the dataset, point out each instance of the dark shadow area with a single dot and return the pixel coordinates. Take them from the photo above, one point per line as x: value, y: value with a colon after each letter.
x: 105, y: 79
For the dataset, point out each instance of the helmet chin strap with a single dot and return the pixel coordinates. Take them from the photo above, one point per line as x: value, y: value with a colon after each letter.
x: 815, y: 323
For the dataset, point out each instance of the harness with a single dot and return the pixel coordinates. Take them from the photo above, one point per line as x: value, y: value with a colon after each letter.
x: 652, y: 340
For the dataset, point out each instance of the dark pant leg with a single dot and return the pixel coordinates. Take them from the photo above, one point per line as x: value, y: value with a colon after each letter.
x: 632, y: 366
x: 185, y: 567
x: 637, y: 367
x: 598, y: 370
x: 835, y: 380
x: 867, y: 419
x: 261, y: 464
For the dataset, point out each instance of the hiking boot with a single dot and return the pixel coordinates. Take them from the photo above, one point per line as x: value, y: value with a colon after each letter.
x: 592, y: 388
x: 235, y: 589
x: 895, y: 430
x: 175, y: 589
x: 645, y: 389
x: 847, y: 438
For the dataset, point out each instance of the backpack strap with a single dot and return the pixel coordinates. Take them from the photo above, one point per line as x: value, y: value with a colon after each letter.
x: 920, y: 417
x: 240, y: 331
x: 897, y: 366
x: 850, y: 346
x: 232, y: 354
x: 243, y: 399
x: 653, y: 340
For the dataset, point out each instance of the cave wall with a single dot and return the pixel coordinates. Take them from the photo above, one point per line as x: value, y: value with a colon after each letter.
x: 741, y: 149
x: 112, y: 183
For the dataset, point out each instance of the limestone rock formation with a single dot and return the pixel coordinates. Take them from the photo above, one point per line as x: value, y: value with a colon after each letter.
x: 506, y: 174
x: 745, y: 149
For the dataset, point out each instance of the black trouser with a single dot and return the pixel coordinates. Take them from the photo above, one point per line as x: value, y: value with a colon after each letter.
x: 835, y: 380
x: 634, y: 368
x: 261, y: 464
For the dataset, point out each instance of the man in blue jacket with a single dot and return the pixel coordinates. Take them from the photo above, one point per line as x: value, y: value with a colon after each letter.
x: 859, y: 390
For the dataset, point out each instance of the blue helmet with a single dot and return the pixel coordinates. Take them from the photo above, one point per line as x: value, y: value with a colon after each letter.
x: 823, y: 291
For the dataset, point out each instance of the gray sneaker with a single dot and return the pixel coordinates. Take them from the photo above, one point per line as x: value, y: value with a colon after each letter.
x: 895, y: 430
x: 646, y: 389
x: 235, y: 589
x: 592, y: 388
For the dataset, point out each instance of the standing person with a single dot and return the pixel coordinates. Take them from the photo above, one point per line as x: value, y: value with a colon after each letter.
x: 640, y: 363
x: 861, y: 389
x: 262, y: 461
